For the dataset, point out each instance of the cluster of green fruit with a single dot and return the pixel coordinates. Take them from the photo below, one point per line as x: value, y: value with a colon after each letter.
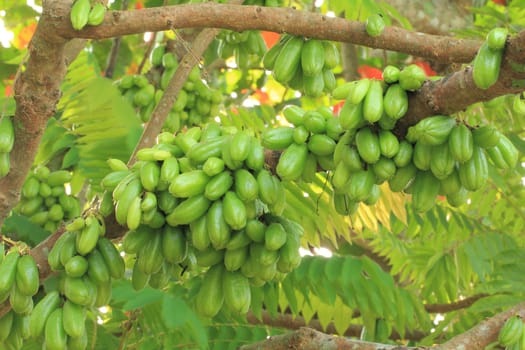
x: 196, y: 102
x: 203, y: 199
x: 44, y: 199
x: 512, y: 334
x: 303, y: 64
x: 486, y: 65
x: 19, y: 282
x: 247, y: 47
x: 84, y: 13
x: 85, y: 262
x: 7, y: 140
x: 437, y: 156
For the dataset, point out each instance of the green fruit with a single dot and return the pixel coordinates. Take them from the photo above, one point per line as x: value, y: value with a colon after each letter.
x: 486, y: 136
x: 150, y: 259
x: 341, y: 176
x: 442, y: 163
x: 294, y: 114
x: 98, y: 271
x: 391, y: 74
x: 421, y: 156
x: 486, y: 66
x: 288, y: 60
x: 511, y: 331
x: 268, y: 187
x: 292, y: 162
x: 149, y: 175
x: 20, y: 303
x: 236, y: 291
x: 312, y: 57
x: 395, y: 102
x: 74, y: 317
x: 458, y: 198
x: 76, y: 266
x: 433, y: 130
x: 27, y: 278
x: 213, y: 166
x: 412, y: 77
x: 55, y: 335
x: 218, y: 185
x: 210, y: 297
x: 314, y: 85
x: 360, y: 185
x: 79, y: 15
x: 388, y: 143
x: 504, y: 154
x: 474, y: 172
x: 497, y: 38
x: 373, y: 102
x: 218, y: 230
x: 368, y: 145
x: 278, y: 138
x: 461, y: 144
x: 188, y: 210
x: 384, y: 169
x: 240, y: 146
x: 234, y: 211
x: 199, y: 233
x: 7, y: 134
x: 256, y: 157
x: 424, y: 191
x: 274, y: 236
x: 330, y: 81
x: 156, y: 55
x: 96, y: 14
x: 255, y: 229
x: 59, y: 177
x: 404, y: 155
x: 246, y: 185
x: 235, y: 258
x: 314, y: 122
x: 321, y: 145
x: 451, y: 184
x: 112, y: 257
x: 374, y: 25
x: 402, y: 178
x: 189, y: 184
x: 87, y: 239
x: 351, y: 116
x: 174, y: 245
x: 8, y: 271
x: 53, y: 258
x: 331, y: 55
x: 6, y: 324
x: 270, y: 56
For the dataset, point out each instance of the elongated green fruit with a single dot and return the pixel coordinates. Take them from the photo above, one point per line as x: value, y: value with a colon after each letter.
x: 27, y: 279
x: 80, y: 14
x: 8, y: 271
x: 292, y: 161
x: 374, y: 25
x: 55, y: 335
x: 41, y: 312
x: 497, y: 38
x: 7, y: 134
x: 486, y: 67
x: 312, y: 57
x: 395, y: 101
x: 288, y: 60
x: 96, y: 15
x: 74, y: 317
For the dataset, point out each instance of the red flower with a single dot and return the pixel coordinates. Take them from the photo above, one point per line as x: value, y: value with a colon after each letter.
x: 337, y: 107
x: 366, y: 71
x: 139, y: 5
x: 426, y: 67
x: 270, y: 38
x: 500, y: 2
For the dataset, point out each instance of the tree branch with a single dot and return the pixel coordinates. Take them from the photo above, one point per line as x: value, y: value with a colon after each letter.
x: 310, y: 339
x: 282, y: 20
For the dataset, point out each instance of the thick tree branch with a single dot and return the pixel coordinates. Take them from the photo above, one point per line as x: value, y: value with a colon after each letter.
x: 281, y: 20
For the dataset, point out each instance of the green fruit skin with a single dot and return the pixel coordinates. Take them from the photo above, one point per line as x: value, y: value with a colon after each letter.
x: 486, y: 136
x: 235, y: 258
x: 288, y: 60
x: 55, y: 335
x: 511, y: 331
x: 246, y: 185
x: 27, y: 278
x: 388, y: 143
x: 312, y: 57
x: 331, y: 55
x: 87, y: 239
x: 199, y: 234
x: 278, y: 138
x: 486, y: 67
x: 189, y: 184
x: 218, y: 230
x: 174, y: 245
x: 96, y: 14
x: 6, y: 323
x: 236, y: 291
x: 314, y: 85
x: 97, y: 269
x: 76, y: 290
x: 374, y: 25
x: 421, y: 156
x: 274, y: 236
x: 150, y: 257
x: 268, y: 191
x: 112, y: 257
x: 497, y: 38
x: 8, y: 271
x: 404, y: 155
x: 474, y: 172
x: 321, y: 145
x: 424, y: 191
x: 368, y: 145
x: 74, y: 317
x: 442, y: 162
x: 218, y: 185
x: 139, y: 279
x: 360, y: 185
x: 188, y: 210
x: 80, y: 14
x: 201, y: 151
x: 402, y: 178
x: 53, y: 258
x: 294, y: 114
x: 351, y: 116
x: 210, y: 297
x: 7, y: 134
x: 384, y: 169
x: 234, y: 211
x: 76, y: 266
x: 504, y: 154
x: 292, y: 162
x: 461, y: 143
x: 373, y: 102
x: 395, y: 102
